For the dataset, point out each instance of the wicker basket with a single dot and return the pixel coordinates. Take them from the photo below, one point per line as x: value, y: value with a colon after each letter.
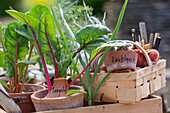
x: 130, y: 87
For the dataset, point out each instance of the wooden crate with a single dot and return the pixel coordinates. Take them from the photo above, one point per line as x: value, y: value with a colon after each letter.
x: 130, y: 87
x: 150, y: 105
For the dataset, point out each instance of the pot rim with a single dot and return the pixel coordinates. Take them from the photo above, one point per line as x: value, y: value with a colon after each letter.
x: 33, y: 97
x: 29, y: 92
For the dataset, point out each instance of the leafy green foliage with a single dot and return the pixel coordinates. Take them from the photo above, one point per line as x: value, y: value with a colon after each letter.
x: 2, y: 30
x: 3, y: 84
x: 74, y: 14
x: 16, y: 47
x: 23, y: 18
x: 33, y: 62
x: 46, y: 34
x: 2, y: 57
x: 87, y: 34
x: 74, y: 91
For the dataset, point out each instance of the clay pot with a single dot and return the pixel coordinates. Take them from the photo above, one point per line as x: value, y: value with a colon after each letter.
x: 118, y: 60
x: 60, y: 88
x: 32, y: 81
x: 35, y: 81
x: 57, y: 103
x: 25, y: 102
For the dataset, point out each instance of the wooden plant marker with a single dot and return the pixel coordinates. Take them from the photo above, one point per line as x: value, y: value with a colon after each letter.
x: 142, y: 27
x: 151, y: 40
x: 60, y: 88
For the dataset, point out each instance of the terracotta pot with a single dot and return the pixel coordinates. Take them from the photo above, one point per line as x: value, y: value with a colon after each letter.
x: 117, y: 60
x: 57, y: 103
x: 60, y: 88
x: 25, y: 103
x: 32, y: 81
x: 35, y: 81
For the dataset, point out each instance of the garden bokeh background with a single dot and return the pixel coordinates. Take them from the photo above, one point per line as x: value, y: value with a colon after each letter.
x: 156, y: 14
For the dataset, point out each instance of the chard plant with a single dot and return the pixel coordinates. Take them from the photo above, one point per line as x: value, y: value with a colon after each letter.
x: 2, y: 41
x: 40, y: 31
x: 15, y: 56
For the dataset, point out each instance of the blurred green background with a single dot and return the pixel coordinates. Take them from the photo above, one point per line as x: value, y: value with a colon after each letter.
x: 25, y: 5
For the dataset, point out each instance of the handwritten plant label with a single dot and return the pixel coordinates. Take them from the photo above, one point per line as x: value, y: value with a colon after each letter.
x: 58, y: 91
x: 60, y: 88
x: 117, y: 60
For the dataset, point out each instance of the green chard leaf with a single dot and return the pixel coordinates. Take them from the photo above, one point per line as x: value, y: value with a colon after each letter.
x: 23, y: 18
x: 2, y: 57
x: 47, y: 34
x: 3, y: 84
x: 91, y: 34
x: 16, y: 47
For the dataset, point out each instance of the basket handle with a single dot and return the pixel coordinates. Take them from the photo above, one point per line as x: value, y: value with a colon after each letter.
x: 149, y: 62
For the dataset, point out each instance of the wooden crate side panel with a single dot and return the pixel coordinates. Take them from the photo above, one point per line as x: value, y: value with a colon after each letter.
x: 153, y: 105
x: 162, y: 71
x: 151, y: 87
x: 126, y: 95
x: 94, y: 85
x: 139, y: 82
x: 117, y: 76
x: 108, y: 94
x: 127, y: 84
x: 142, y: 91
x: 157, y: 83
x: 150, y: 69
x: 110, y: 84
x: 143, y: 72
x: 145, y: 90
x: 147, y: 78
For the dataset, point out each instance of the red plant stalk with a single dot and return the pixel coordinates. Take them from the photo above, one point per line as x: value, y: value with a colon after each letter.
x: 10, y: 85
x: 85, y: 68
x: 24, y: 78
x: 55, y: 64
x: 20, y: 75
x: 42, y: 59
x: 79, y: 49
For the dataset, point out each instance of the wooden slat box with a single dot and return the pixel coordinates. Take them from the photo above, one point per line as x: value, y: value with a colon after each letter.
x: 130, y: 87
x: 150, y: 105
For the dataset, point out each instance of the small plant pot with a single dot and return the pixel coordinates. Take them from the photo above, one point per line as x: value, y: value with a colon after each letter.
x: 44, y: 104
x: 24, y: 99
x: 118, y: 60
